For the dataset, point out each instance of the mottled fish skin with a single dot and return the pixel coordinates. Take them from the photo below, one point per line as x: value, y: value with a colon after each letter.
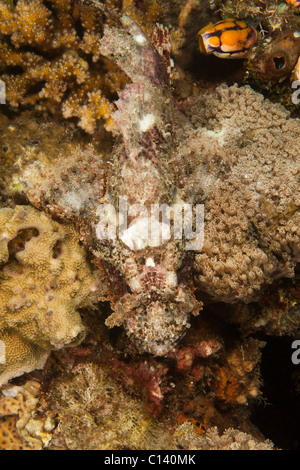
x: 147, y: 297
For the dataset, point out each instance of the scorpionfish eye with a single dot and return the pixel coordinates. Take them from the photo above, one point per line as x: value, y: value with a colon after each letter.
x: 228, y: 38
x: 294, y: 3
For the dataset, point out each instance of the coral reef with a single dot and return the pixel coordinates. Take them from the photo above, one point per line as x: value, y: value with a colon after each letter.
x: 251, y: 216
x: 103, y: 418
x: 45, y: 278
x: 270, y: 15
x: 183, y: 371
x: 89, y: 397
x: 227, y: 39
x: 269, y: 66
x: 50, y: 58
x: 16, y: 407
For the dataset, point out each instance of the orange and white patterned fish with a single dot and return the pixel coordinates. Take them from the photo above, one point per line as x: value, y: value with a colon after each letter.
x: 228, y: 38
x: 294, y: 3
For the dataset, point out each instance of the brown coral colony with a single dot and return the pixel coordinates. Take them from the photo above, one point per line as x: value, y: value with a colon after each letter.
x: 61, y: 70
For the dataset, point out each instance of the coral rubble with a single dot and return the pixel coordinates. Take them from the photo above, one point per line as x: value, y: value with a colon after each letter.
x: 89, y: 398
x: 50, y: 58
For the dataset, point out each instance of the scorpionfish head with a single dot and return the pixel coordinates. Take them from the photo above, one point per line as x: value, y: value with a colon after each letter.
x: 155, y: 311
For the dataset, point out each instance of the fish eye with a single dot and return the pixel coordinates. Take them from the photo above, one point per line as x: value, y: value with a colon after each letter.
x: 128, y: 289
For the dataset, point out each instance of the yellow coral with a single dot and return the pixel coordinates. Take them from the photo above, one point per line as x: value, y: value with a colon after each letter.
x: 66, y: 71
x: 16, y: 407
x: 44, y: 279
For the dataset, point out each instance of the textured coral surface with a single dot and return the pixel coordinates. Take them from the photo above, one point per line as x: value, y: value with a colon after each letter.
x: 92, y: 398
x: 45, y: 278
x: 252, y: 229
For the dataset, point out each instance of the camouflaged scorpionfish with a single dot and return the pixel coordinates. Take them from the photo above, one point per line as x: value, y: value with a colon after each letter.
x: 152, y: 303
x: 148, y: 268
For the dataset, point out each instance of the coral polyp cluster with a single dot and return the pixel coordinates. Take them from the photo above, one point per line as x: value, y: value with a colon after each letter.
x: 252, y: 217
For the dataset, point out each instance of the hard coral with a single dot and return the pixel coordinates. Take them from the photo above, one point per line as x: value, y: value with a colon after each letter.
x: 16, y: 406
x: 235, y: 152
x: 46, y: 62
x: 45, y: 278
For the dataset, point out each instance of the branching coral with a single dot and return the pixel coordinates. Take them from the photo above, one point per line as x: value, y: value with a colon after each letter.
x: 50, y: 57
x: 51, y: 63
x: 238, y: 156
x: 45, y: 278
x: 16, y: 406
